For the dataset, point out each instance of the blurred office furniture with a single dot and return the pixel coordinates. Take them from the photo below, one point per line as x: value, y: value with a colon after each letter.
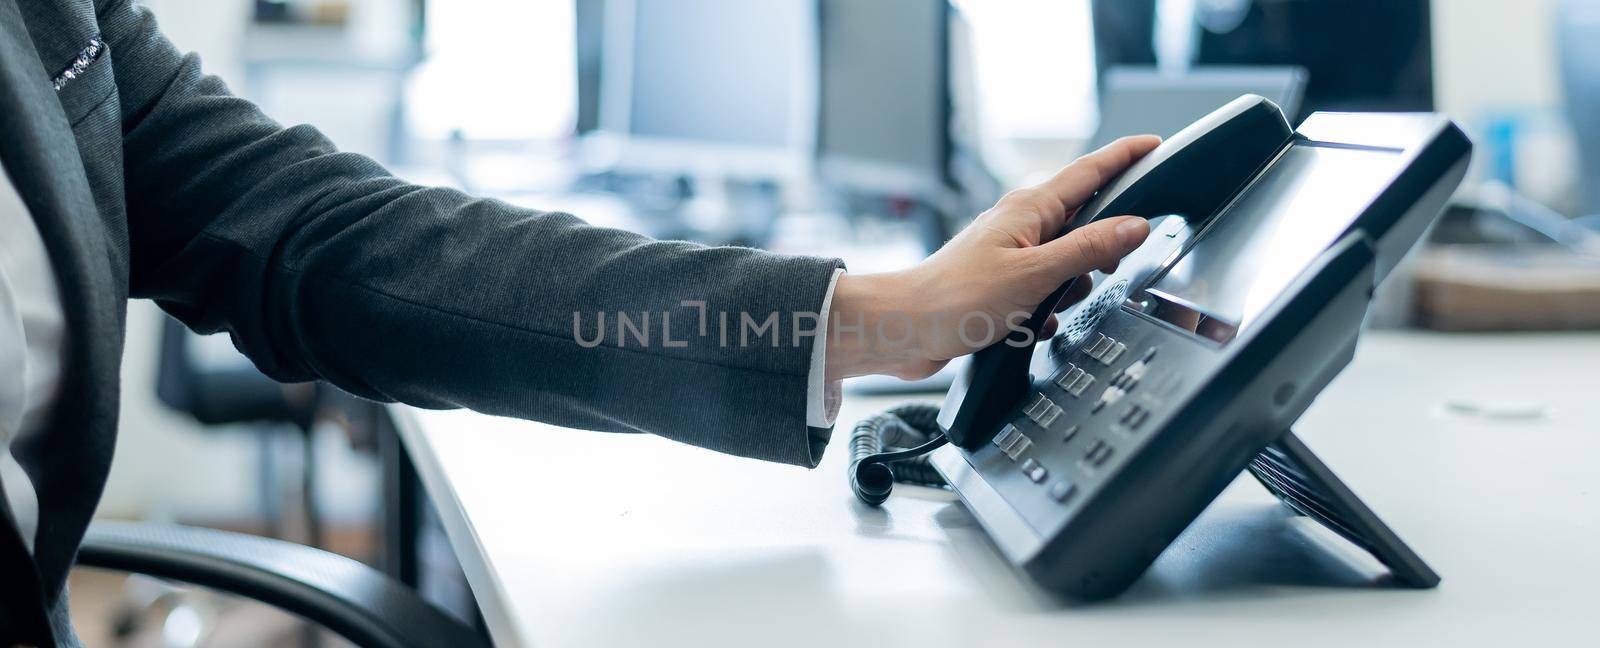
x: 675, y: 545
x: 884, y: 141
x: 1143, y: 99
x: 1578, y: 23
x: 317, y: 12
x: 704, y: 109
x: 304, y: 53
x: 1500, y: 261
x: 1124, y: 34
x: 715, y: 118
x: 1360, y: 55
x: 1496, y: 288
x: 332, y: 591
x: 413, y: 548
x: 207, y: 379
x: 969, y: 167
x: 714, y: 87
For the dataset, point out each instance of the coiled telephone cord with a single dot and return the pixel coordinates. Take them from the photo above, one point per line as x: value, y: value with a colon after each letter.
x: 902, y: 436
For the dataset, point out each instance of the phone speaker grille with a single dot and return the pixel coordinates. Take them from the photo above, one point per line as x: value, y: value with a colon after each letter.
x: 1087, y: 316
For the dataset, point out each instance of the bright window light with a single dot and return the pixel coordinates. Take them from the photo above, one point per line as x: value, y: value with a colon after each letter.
x: 1033, y: 67
x: 496, y: 70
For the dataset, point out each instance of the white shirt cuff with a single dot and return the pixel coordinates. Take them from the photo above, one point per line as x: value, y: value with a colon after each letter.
x: 822, y: 395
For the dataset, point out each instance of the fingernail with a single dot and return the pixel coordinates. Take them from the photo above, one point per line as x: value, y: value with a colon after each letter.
x: 1131, y: 232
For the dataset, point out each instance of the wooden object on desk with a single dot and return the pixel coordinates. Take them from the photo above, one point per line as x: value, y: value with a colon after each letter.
x: 1484, y: 288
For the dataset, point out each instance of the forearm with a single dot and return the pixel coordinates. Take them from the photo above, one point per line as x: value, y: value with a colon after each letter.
x: 871, y: 325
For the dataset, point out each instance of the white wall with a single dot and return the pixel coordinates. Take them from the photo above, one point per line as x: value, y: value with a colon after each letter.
x: 1494, y: 55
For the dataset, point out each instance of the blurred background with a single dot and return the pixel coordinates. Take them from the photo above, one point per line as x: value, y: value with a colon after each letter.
x: 865, y: 129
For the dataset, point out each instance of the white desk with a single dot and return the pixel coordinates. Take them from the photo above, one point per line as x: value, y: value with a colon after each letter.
x: 581, y: 539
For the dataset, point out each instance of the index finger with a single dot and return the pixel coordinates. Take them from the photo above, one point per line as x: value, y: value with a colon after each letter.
x: 1076, y: 182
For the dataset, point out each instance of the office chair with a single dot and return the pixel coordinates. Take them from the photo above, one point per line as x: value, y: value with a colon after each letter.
x: 337, y: 593
x: 344, y: 596
x: 219, y: 387
x: 329, y: 590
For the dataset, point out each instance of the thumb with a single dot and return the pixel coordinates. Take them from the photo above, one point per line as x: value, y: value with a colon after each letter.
x: 1100, y: 244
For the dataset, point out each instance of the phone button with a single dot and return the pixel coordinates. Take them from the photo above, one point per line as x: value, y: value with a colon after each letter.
x: 1035, y: 471
x: 1098, y: 453
x: 1069, y: 375
x: 1080, y: 384
x: 1012, y: 441
x: 1127, y: 416
x: 1110, y: 396
x: 1043, y: 410
x: 1115, y: 352
x: 1104, y: 348
x: 1098, y: 348
x: 1063, y: 490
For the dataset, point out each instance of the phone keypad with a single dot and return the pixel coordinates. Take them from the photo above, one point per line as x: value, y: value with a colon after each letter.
x: 1069, y: 449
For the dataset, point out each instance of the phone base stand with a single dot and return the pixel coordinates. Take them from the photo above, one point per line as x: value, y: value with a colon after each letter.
x: 1302, y: 482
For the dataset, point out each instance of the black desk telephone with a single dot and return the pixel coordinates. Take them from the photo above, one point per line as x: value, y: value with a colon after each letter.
x: 1083, y: 457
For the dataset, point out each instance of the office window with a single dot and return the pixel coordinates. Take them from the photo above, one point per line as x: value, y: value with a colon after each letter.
x: 1033, y: 67
x: 496, y: 70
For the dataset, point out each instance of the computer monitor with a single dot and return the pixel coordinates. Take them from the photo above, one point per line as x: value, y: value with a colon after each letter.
x: 588, y: 48
x: 1137, y: 100
x: 1359, y: 55
x: 708, y: 87
x: 884, y: 123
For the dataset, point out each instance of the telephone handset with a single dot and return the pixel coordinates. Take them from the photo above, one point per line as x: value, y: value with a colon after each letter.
x: 1190, y: 175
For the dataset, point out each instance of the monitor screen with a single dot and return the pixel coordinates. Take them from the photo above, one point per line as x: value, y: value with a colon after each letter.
x: 885, y: 92
x: 1141, y: 99
x: 1360, y: 55
x: 717, y: 71
x: 1257, y: 247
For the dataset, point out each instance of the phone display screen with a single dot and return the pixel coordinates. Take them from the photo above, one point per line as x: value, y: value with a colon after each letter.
x: 1298, y: 207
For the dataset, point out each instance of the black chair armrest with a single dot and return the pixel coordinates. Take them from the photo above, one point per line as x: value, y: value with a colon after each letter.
x: 345, y: 596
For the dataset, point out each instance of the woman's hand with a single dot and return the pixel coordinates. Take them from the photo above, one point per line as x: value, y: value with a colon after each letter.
x: 988, y: 278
